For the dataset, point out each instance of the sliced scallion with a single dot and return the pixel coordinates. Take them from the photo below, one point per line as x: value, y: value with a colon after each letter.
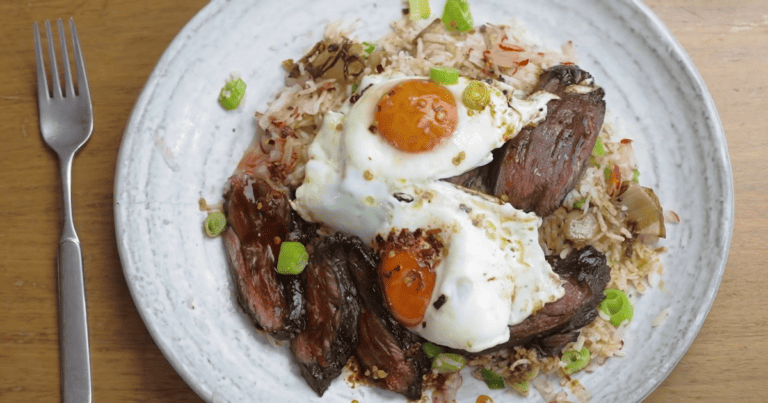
x: 456, y: 16
x: 368, y: 48
x: 616, y: 304
x: 599, y: 149
x: 476, y: 96
x: 214, y: 224
x: 530, y: 375
x: 431, y: 350
x: 418, y: 9
x: 232, y: 93
x: 521, y: 387
x: 444, y: 75
x: 292, y: 259
x: 636, y: 176
x: 579, y: 203
x: 448, y: 362
x: 492, y: 379
x: 575, y: 360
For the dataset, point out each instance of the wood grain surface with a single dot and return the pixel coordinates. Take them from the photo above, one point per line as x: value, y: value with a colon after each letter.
x: 123, y: 40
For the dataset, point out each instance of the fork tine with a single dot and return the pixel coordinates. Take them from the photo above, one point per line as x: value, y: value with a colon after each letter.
x: 42, y: 81
x: 69, y: 88
x: 82, y: 80
x: 54, y: 68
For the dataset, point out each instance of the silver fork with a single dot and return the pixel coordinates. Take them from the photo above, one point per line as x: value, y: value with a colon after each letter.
x: 66, y: 122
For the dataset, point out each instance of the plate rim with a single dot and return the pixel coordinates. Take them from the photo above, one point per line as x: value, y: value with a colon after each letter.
x: 134, y: 120
x: 728, y: 198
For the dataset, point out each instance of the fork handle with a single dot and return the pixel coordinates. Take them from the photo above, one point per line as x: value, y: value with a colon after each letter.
x: 73, y: 322
x: 73, y: 325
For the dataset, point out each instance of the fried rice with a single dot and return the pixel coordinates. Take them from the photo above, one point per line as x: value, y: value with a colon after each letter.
x: 294, y: 117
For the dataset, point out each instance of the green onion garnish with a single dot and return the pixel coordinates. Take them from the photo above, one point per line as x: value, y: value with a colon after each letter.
x: 293, y: 258
x: 531, y: 374
x: 431, y: 350
x: 476, y: 96
x: 636, y: 176
x: 607, y: 172
x: 521, y: 387
x: 579, y: 203
x: 418, y: 9
x: 444, y: 75
x: 448, y: 362
x: 456, y: 16
x: 575, y: 361
x: 232, y: 93
x: 355, y: 86
x: 492, y: 379
x: 617, y: 305
x: 368, y: 48
x: 599, y: 149
x: 214, y: 224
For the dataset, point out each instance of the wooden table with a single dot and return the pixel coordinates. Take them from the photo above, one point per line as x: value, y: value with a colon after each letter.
x: 122, y: 42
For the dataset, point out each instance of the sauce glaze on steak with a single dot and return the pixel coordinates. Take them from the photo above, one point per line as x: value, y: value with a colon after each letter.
x: 259, y: 219
x: 538, y: 167
x: 333, y: 306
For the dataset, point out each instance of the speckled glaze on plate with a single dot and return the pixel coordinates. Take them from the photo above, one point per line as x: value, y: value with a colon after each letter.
x: 180, y: 146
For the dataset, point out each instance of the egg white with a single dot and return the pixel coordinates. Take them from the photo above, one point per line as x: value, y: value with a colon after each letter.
x: 476, y: 134
x: 492, y: 271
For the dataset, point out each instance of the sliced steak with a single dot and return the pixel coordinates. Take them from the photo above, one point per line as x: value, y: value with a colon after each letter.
x: 331, y: 336
x: 259, y: 219
x: 385, y: 345
x: 478, y: 179
x: 538, y: 167
x: 394, y: 359
x: 558, y: 323
x: 556, y: 79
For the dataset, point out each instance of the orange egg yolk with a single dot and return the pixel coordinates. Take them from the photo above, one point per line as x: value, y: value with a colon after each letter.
x: 416, y: 115
x: 407, y: 287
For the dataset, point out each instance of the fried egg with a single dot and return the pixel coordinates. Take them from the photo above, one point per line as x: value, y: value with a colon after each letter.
x: 492, y: 272
x: 374, y: 168
x: 366, y: 140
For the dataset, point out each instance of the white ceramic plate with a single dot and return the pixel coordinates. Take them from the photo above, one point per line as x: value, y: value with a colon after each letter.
x: 180, y: 146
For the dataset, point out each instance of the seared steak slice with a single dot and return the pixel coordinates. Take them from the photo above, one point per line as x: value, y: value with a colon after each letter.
x: 476, y: 179
x: 401, y: 359
x: 385, y: 345
x: 538, y: 167
x: 588, y: 266
x: 558, y: 323
x: 557, y: 78
x: 330, y: 338
x: 259, y: 219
